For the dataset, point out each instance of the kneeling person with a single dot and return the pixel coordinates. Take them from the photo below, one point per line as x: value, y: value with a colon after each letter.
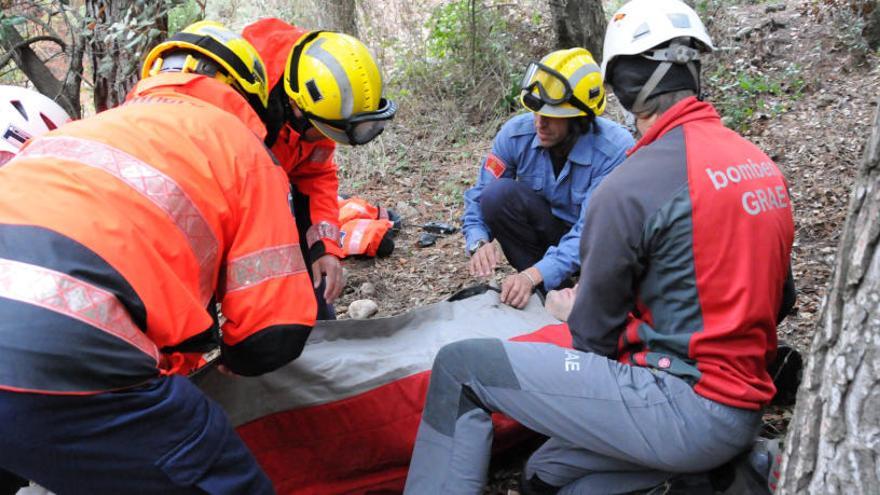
x: 534, y: 186
x: 148, y: 214
x: 674, y: 319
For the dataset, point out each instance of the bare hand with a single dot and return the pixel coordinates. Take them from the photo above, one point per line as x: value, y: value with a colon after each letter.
x: 330, y: 267
x: 516, y: 290
x: 560, y: 302
x: 484, y: 260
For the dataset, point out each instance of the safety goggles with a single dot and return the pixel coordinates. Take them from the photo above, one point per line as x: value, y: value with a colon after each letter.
x: 542, y: 85
x: 358, y: 129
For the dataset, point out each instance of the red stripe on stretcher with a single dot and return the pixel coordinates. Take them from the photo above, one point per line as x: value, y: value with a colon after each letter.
x: 495, y: 165
x: 361, y: 444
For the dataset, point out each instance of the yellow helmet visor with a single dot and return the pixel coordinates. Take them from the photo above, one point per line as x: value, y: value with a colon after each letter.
x: 542, y: 86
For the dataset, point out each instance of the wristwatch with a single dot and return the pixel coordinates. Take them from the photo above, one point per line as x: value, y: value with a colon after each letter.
x: 477, y: 245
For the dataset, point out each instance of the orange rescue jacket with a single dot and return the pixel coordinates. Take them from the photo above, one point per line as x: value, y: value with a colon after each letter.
x: 363, y: 237
x: 355, y: 207
x: 118, y: 233
x: 309, y: 165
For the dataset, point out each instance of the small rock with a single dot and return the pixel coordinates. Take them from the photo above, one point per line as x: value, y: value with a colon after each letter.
x: 778, y: 7
x: 743, y: 33
x: 362, y: 309
x: 825, y: 100
x: 367, y: 289
x: 344, y: 276
x: 406, y: 210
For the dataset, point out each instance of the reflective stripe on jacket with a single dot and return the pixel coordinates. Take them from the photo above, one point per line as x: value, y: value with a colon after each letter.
x: 309, y: 165
x: 354, y: 208
x: 118, y: 231
x: 363, y: 237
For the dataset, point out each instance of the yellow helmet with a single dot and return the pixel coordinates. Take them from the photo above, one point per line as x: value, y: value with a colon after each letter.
x: 210, y: 48
x: 336, y: 84
x: 565, y: 83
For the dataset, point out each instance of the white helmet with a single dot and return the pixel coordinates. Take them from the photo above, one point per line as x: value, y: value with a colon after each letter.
x: 24, y: 114
x: 641, y: 26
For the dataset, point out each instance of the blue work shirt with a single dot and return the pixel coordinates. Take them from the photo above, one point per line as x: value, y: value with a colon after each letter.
x: 517, y: 154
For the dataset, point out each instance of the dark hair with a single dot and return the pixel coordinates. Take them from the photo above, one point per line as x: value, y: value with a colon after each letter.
x: 584, y: 124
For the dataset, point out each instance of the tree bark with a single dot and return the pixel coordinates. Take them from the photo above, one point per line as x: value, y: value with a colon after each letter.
x: 834, y: 437
x: 124, y: 32
x: 871, y: 31
x: 65, y: 92
x: 579, y: 23
x: 344, y: 15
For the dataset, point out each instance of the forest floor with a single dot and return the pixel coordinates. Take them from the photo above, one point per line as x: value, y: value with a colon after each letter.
x: 788, y: 75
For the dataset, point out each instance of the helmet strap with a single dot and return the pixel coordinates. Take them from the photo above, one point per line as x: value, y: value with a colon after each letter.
x: 299, y: 124
x: 676, y: 53
x: 649, y: 86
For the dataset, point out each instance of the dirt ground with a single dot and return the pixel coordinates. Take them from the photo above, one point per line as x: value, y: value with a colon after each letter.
x: 817, y: 142
x: 814, y: 127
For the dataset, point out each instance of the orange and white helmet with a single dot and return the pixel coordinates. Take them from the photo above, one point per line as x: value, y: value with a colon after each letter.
x: 24, y: 114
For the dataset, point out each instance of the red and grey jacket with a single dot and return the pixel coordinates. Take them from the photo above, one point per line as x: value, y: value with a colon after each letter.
x: 309, y: 164
x: 685, y: 260
x: 118, y: 233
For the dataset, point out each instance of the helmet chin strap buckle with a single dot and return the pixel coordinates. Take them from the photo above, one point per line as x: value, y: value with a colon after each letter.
x: 679, y: 51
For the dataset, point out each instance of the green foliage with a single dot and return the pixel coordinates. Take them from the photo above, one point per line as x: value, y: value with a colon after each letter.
x: 743, y: 96
x: 612, y: 6
x: 449, y: 29
x: 850, y: 19
x: 7, y: 20
x: 183, y: 15
x: 706, y: 8
x: 474, y: 51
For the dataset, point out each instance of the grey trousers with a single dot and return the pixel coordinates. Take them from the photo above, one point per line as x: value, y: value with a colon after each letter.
x: 613, y: 428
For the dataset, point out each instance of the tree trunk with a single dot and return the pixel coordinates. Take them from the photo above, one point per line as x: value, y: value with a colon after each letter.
x: 871, y: 31
x: 579, y: 23
x: 344, y: 16
x: 66, y: 90
x: 834, y: 437
x: 124, y: 32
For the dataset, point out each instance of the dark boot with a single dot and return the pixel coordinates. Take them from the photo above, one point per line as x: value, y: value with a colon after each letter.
x: 683, y: 484
x: 754, y: 472
x: 10, y: 483
x: 535, y: 486
x: 786, y: 371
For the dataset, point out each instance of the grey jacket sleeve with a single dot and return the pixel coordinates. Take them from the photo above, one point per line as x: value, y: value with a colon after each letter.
x: 614, y: 249
x: 610, y: 266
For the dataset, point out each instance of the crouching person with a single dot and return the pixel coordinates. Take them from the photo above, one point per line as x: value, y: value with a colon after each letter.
x: 117, y: 234
x: 675, y: 314
x: 534, y: 187
x: 324, y: 89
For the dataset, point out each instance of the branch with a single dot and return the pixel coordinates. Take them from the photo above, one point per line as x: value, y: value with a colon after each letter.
x: 35, y: 69
x: 10, y: 52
